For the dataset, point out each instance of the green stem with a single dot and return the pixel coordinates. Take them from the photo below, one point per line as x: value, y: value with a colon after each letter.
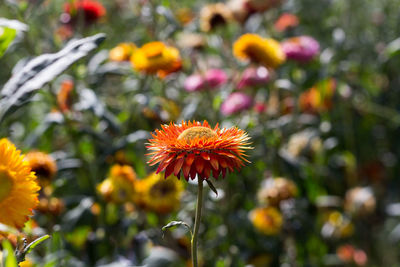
x: 197, y: 222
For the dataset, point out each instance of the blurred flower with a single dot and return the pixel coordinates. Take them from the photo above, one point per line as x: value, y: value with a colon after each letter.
x: 43, y: 165
x: 64, y: 95
x: 274, y: 190
x: 18, y: 188
x: 262, y: 260
x: 360, y: 201
x: 119, y: 187
x: 319, y: 97
x: 267, y: 52
x: 286, y: 21
x: 162, y: 110
x: 239, y: 10
x: 52, y: 205
x: 122, y: 52
x: 209, y: 80
x: 304, y: 144
x: 214, y: 15
x: 189, y: 40
x: 184, y: 15
x: 197, y: 149
x: 236, y: 102
x: 91, y: 11
x: 253, y: 77
x: 337, y: 225
x: 302, y: 48
x: 156, y: 57
x: 267, y: 220
x: 348, y: 254
x: 260, y: 107
x: 63, y: 32
x: 262, y: 5
x: 157, y: 194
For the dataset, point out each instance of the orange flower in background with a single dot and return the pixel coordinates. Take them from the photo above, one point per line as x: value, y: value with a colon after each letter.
x: 267, y: 220
x: 64, y: 96
x: 319, y: 97
x: 197, y: 149
x: 286, y: 21
x: 43, y: 165
x: 156, y: 57
x: 18, y: 188
x: 91, y: 10
x: 122, y: 52
x: 252, y: 47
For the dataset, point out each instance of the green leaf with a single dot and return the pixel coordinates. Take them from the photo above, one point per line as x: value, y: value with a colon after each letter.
x: 176, y: 223
x: 7, y: 35
x: 8, y: 255
x: 212, y: 186
x: 34, y: 243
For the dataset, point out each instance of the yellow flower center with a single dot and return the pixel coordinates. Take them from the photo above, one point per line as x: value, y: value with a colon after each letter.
x: 197, y: 132
x: 6, y: 183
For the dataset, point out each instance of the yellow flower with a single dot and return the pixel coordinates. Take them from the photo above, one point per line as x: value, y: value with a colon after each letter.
x: 156, y: 57
x: 18, y: 187
x: 43, y: 165
x: 119, y: 187
x: 214, y: 15
x: 267, y: 220
x: 122, y: 52
x: 158, y: 194
x: 267, y: 52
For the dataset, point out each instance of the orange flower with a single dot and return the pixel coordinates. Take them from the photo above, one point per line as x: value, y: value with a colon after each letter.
x: 196, y: 148
x: 286, y: 21
x: 122, y: 52
x: 64, y: 96
x: 319, y: 97
x: 267, y: 220
x: 43, y: 165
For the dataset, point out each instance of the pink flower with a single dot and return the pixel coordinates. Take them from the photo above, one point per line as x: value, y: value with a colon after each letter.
x: 301, y: 48
x: 252, y: 77
x: 236, y: 102
x: 211, y: 79
x: 194, y: 83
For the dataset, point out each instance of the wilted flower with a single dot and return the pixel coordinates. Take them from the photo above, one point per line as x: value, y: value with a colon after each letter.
x: 319, y: 97
x: 90, y: 10
x: 274, y: 190
x: 286, y: 21
x: 18, y: 187
x: 43, y: 165
x: 360, y: 201
x: 267, y: 220
x: 157, y: 194
x: 214, y: 15
x: 119, y: 187
x: 302, y: 48
x: 253, y: 77
x: 337, y: 225
x: 197, y: 149
x: 64, y: 95
x: 252, y: 47
x: 209, y: 80
x: 236, y: 102
x: 156, y: 57
x: 122, y: 52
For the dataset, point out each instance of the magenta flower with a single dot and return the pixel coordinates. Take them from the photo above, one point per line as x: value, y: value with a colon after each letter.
x: 194, y: 82
x: 301, y: 48
x: 252, y: 77
x: 211, y: 79
x: 236, y: 102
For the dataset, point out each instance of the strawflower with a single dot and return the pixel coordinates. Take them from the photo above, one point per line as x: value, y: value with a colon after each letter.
x: 18, y: 187
x: 301, y: 49
x: 236, y: 102
x: 286, y: 21
x: 43, y: 165
x: 253, y: 77
x: 91, y: 10
x: 122, y: 52
x: 214, y: 15
x: 267, y: 220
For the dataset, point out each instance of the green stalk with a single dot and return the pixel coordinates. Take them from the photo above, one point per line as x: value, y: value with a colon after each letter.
x: 197, y: 222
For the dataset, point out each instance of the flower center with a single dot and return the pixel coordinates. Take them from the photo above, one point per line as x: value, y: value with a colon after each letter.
x: 197, y: 132
x: 6, y: 183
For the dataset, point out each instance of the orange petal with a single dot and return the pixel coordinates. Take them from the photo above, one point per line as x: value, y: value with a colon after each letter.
x: 190, y: 158
x: 178, y: 166
x: 199, y: 165
x: 186, y: 170
x: 214, y: 162
x: 205, y: 155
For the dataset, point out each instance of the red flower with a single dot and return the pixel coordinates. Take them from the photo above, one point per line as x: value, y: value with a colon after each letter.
x: 90, y: 9
x: 197, y: 149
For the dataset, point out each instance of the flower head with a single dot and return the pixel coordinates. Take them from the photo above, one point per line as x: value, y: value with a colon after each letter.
x: 159, y: 195
x: 91, y: 10
x: 319, y: 97
x: 64, y: 95
x: 302, y: 48
x: 286, y: 21
x: 267, y: 220
x: 236, y: 102
x: 119, y: 187
x: 274, y: 190
x: 214, y: 15
x: 156, y: 57
x: 122, y: 52
x: 267, y: 52
x: 252, y: 77
x: 194, y: 148
x: 18, y: 188
x: 211, y: 79
x: 360, y: 201
x: 43, y: 165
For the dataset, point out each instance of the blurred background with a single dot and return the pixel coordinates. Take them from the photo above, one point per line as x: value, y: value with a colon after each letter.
x: 321, y: 107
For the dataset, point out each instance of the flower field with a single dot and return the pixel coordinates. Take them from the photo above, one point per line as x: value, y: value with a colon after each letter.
x: 244, y: 133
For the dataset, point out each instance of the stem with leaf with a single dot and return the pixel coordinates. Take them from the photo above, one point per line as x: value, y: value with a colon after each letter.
x: 197, y: 221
